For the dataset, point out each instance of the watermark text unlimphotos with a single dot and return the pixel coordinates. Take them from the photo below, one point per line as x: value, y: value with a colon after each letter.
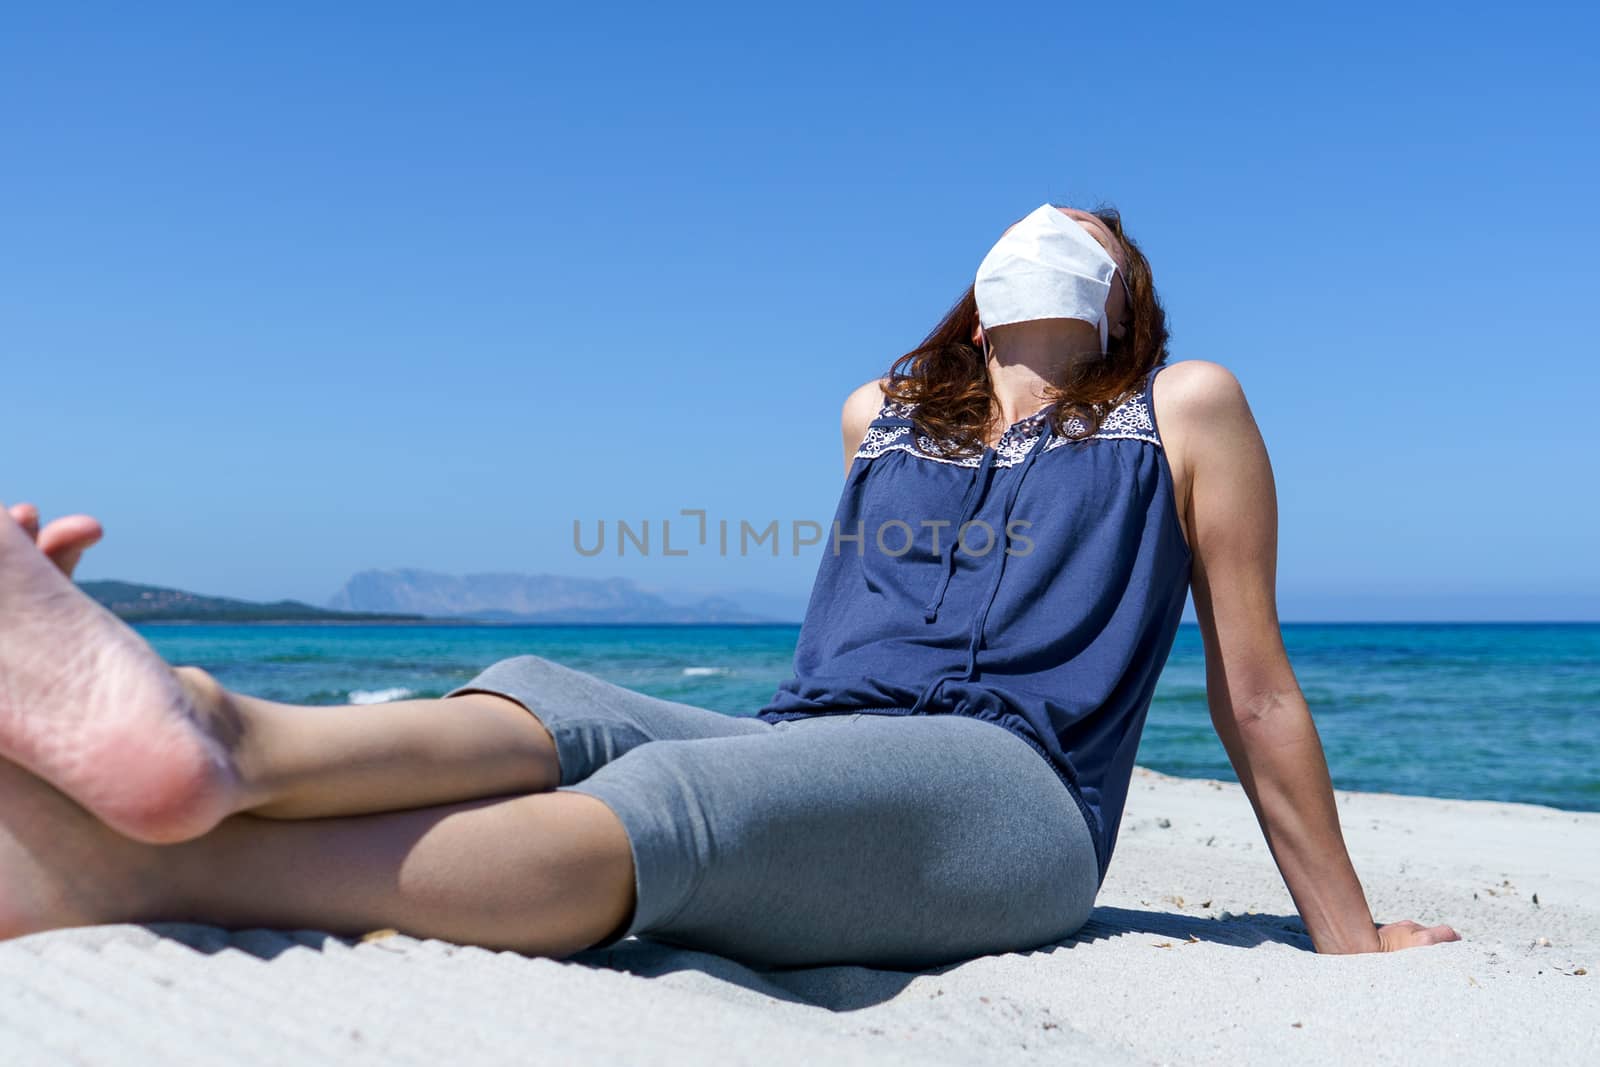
x: 693, y: 531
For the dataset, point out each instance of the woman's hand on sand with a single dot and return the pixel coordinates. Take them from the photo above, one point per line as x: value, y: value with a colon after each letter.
x: 1409, y: 934
x: 64, y: 540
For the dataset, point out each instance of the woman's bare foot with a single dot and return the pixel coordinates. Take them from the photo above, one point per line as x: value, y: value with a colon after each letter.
x: 87, y: 705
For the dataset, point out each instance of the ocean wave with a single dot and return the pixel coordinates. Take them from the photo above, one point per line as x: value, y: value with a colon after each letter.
x: 706, y: 672
x: 380, y: 696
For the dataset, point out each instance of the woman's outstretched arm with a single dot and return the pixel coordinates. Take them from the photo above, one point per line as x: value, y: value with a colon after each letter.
x: 1256, y: 705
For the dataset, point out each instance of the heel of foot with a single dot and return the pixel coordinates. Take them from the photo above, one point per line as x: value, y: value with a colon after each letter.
x: 165, y: 793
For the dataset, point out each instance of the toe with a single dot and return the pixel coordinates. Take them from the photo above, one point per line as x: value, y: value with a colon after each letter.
x: 27, y: 517
x: 66, y: 539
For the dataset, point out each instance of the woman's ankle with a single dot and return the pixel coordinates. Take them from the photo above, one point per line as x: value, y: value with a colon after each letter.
x: 236, y: 723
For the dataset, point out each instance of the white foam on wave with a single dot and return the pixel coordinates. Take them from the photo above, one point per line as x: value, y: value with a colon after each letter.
x: 705, y: 672
x: 379, y: 696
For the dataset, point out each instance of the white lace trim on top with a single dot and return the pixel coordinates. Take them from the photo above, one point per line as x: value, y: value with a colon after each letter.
x: 1129, y: 420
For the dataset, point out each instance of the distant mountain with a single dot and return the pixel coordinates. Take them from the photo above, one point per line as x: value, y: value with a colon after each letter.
x: 526, y: 598
x: 762, y: 603
x: 152, y: 603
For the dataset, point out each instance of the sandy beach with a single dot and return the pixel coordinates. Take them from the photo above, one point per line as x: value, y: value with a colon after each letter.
x: 1194, y: 955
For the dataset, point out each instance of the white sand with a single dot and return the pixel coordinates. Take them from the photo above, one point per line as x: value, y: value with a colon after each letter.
x: 1131, y: 988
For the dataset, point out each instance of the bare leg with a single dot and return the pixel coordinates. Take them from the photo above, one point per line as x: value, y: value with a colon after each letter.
x: 163, y: 756
x: 548, y: 874
x: 167, y: 755
x: 310, y: 762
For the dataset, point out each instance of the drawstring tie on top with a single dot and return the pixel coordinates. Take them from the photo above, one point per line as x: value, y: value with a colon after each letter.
x: 976, y: 489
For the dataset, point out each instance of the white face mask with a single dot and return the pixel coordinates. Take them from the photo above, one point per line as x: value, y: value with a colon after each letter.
x: 1045, y: 267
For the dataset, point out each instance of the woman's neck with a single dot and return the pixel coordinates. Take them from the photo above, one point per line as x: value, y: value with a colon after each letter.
x: 1026, y: 357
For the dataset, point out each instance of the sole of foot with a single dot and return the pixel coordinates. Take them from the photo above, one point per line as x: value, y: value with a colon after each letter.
x: 87, y: 705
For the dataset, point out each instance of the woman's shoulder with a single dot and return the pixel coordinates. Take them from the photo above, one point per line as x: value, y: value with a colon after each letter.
x: 1195, y: 392
x: 864, y: 404
x: 1198, y: 404
x: 867, y: 397
x: 1198, y: 380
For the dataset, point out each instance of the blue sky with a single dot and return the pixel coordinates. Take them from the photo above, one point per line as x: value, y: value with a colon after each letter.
x: 293, y: 290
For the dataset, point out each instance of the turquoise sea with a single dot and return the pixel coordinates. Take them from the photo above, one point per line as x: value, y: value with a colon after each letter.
x: 1491, y: 712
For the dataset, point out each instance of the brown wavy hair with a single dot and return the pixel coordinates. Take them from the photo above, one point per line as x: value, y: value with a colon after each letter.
x: 946, y: 377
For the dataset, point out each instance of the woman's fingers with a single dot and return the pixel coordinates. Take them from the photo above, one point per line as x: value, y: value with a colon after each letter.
x: 1411, y: 934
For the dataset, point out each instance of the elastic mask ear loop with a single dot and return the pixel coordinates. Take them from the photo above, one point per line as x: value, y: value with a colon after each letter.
x: 1127, y: 290
x: 1105, y: 319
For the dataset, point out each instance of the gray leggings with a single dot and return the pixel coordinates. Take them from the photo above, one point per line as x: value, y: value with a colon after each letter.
x: 900, y: 841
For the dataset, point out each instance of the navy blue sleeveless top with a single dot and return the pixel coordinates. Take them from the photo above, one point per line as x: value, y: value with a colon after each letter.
x: 1037, y: 586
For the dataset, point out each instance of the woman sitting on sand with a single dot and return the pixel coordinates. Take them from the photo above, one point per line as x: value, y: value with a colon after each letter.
x: 942, y: 778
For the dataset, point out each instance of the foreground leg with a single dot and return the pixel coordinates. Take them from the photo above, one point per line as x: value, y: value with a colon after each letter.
x: 883, y: 840
x: 549, y: 874
x: 312, y: 762
x: 525, y: 724
x: 162, y: 756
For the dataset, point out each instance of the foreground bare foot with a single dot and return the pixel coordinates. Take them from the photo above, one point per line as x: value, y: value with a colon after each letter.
x: 89, y: 707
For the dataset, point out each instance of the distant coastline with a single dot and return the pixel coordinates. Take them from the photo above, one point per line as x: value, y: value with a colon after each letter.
x: 154, y: 605
x: 136, y: 603
x: 516, y: 598
x: 570, y: 603
x: 422, y: 622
